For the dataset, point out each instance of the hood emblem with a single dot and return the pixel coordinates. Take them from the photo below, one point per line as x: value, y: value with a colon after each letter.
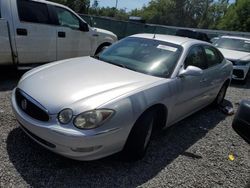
x: 24, y: 104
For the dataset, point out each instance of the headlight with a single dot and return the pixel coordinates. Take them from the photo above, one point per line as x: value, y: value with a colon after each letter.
x: 65, y: 116
x: 241, y: 63
x: 92, y: 119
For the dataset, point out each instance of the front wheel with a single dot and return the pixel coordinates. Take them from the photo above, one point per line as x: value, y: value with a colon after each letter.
x: 139, y: 137
x: 101, y: 48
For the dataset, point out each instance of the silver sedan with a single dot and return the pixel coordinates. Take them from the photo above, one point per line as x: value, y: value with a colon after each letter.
x: 91, y: 107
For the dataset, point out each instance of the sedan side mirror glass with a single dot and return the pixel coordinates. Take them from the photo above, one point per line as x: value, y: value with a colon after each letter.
x: 191, y: 71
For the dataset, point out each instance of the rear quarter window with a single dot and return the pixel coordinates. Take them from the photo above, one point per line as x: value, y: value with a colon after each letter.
x: 35, y: 12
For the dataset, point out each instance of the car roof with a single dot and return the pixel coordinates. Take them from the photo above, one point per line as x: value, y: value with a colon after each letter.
x: 235, y: 37
x: 169, y: 38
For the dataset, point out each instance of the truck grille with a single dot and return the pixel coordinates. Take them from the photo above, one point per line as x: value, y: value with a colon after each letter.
x: 29, y: 107
x: 238, y: 73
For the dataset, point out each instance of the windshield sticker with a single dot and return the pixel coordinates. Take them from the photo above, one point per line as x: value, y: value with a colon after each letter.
x: 168, y: 48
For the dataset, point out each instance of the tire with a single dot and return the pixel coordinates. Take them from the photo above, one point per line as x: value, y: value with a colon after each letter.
x: 139, y: 137
x: 101, y: 48
x: 221, y: 95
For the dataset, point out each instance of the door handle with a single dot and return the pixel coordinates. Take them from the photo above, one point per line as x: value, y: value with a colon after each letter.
x: 203, y: 80
x: 61, y: 34
x: 21, y: 31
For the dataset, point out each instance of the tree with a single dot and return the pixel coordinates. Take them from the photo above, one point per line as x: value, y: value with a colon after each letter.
x: 95, y: 4
x: 237, y: 18
x: 80, y: 6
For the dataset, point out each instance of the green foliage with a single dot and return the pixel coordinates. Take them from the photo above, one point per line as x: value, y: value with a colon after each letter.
x: 81, y: 6
x: 212, y: 14
x: 237, y: 17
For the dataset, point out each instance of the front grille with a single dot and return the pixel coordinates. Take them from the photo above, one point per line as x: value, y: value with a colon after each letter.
x: 29, y: 107
x: 46, y: 143
x: 238, y: 73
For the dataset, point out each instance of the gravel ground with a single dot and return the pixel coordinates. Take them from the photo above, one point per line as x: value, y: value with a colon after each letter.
x: 193, y: 153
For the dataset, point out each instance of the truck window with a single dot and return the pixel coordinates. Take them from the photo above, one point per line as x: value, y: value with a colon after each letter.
x: 66, y: 18
x: 35, y: 12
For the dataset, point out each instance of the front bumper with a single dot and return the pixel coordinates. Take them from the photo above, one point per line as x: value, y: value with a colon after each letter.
x: 240, y: 72
x: 70, y: 142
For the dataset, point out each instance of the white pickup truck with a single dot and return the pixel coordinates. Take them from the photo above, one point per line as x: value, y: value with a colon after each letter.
x: 39, y: 31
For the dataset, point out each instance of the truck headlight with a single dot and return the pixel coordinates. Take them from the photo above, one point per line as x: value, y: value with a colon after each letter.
x: 92, y: 119
x: 65, y: 116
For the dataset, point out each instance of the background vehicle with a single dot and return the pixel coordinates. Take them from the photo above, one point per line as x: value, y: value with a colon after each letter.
x: 99, y: 106
x: 42, y: 31
x: 241, y: 123
x: 193, y: 34
x: 214, y: 39
x: 236, y: 50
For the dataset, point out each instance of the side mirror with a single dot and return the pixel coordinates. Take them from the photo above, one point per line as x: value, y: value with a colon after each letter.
x: 241, y: 122
x: 191, y: 71
x: 84, y: 27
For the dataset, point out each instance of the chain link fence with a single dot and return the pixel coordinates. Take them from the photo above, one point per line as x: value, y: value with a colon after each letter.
x: 126, y: 28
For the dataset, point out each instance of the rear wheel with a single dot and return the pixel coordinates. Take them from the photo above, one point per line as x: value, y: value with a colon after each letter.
x: 221, y: 95
x: 139, y: 137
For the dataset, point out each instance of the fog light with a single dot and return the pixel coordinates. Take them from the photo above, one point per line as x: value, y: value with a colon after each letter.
x: 85, y: 150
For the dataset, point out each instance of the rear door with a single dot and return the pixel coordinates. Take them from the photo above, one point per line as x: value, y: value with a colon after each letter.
x: 35, y: 34
x: 71, y: 41
x: 215, y: 73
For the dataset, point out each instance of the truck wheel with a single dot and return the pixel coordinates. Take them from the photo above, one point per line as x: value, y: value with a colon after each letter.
x: 139, y: 137
x: 101, y: 48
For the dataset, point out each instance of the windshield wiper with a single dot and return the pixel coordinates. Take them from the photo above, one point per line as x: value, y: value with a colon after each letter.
x: 116, y: 64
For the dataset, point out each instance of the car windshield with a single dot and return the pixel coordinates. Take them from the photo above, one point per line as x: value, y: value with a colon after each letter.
x: 233, y: 44
x: 147, y: 56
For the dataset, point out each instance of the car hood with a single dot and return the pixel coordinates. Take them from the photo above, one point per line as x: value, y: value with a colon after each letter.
x: 80, y: 83
x: 234, y: 55
x: 105, y: 32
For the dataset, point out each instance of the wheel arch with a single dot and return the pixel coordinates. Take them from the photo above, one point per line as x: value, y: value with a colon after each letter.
x: 227, y: 82
x: 161, y: 112
x: 101, y: 46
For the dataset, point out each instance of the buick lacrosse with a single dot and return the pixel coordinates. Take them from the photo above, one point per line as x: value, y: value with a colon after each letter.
x: 90, y: 107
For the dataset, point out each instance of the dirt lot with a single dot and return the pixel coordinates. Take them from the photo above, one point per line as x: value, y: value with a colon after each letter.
x: 193, y: 153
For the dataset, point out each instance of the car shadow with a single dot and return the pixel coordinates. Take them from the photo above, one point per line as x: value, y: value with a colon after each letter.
x: 9, y: 77
x: 42, y: 168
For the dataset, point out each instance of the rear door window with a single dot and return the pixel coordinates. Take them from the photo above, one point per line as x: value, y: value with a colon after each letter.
x: 35, y: 12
